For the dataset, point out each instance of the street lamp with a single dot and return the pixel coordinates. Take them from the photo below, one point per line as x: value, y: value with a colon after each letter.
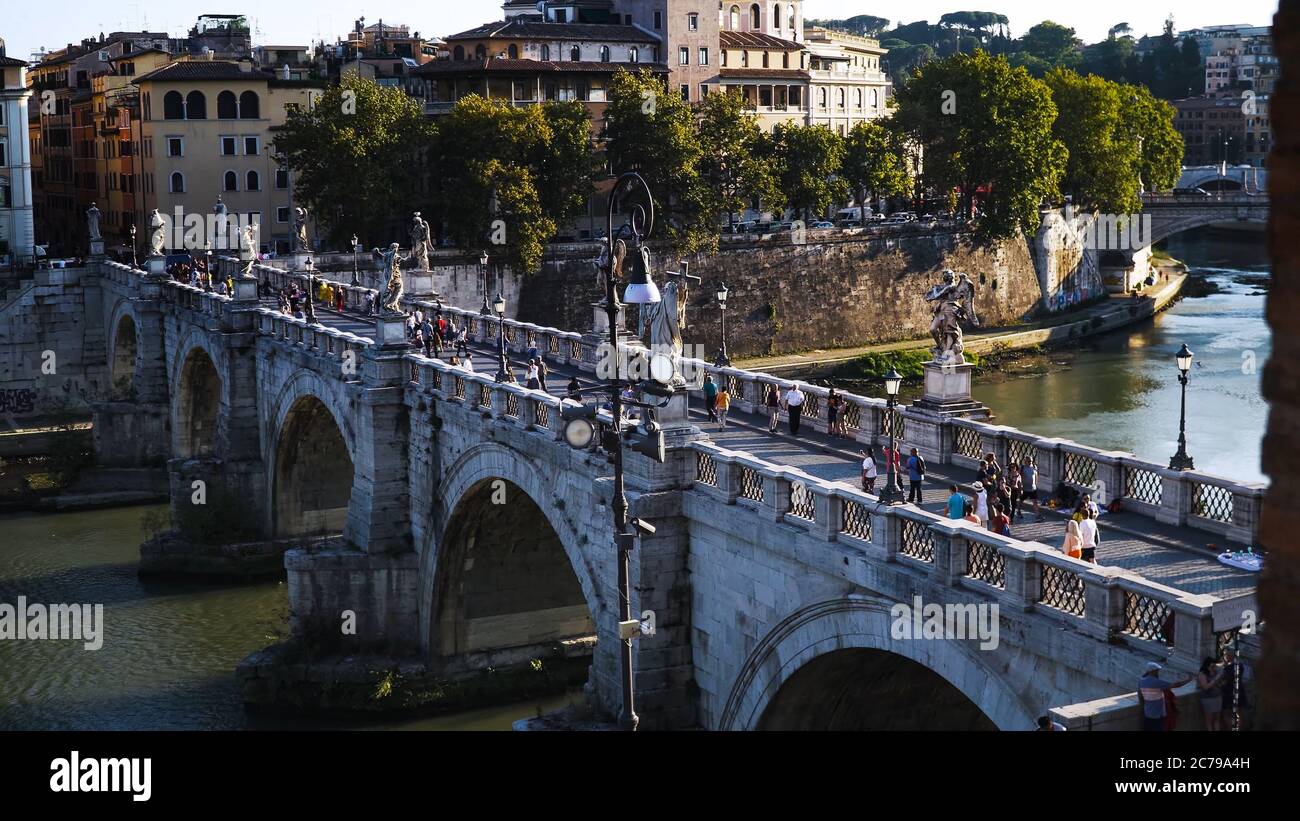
x: 310, y: 314
x: 503, y: 366
x: 482, y: 266
x: 356, y: 276
x: 723, y: 360
x: 893, y: 492
x: 207, y: 266
x: 1180, y: 460
x: 580, y: 430
x: 134, y: 263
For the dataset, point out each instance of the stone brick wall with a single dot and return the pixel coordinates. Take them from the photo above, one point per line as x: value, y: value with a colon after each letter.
x: 1280, y: 587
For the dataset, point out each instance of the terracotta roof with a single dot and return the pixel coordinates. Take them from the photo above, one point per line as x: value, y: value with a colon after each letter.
x: 755, y: 39
x: 200, y: 70
x: 444, y: 67
x: 525, y: 29
x: 770, y: 73
x: 12, y: 61
x: 138, y: 52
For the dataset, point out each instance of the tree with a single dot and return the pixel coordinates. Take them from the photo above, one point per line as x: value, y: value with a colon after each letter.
x: 1160, y: 162
x: 1110, y: 58
x: 649, y: 130
x: 512, y: 175
x: 1103, y: 164
x: 358, y: 155
x: 734, y: 164
x: 810, y: 158
x: 989, y: 141
x: 874, y: 162
x: 1047, y: 46
x: 1120, y: 29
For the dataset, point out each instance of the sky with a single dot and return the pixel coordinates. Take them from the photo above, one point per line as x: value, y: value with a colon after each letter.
x: 29, y: 24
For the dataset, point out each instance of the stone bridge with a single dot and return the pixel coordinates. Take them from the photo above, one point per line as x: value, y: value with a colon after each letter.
x: 1172, y: 215
x: 447, y: 513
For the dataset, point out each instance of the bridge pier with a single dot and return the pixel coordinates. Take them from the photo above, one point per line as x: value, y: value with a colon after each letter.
x: 131, y: 424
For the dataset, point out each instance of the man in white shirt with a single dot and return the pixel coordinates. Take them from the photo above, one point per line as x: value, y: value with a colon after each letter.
x: 1089, y: 537
x: 794, y: 399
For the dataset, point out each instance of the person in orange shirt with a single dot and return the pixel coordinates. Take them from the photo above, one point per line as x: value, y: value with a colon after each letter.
x: 721, y: 405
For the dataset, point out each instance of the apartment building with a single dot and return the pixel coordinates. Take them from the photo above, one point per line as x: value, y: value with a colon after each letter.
x: 17, y: 226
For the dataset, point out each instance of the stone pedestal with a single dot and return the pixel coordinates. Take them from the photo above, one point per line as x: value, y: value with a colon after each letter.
x: 418, y: 284
x: 597, y: 339
x: 948, y: 392
x: 245, y: 289
x: 156, y: 265
x: 298, y: 261
x: 391, y: 330
x: 96, y: 248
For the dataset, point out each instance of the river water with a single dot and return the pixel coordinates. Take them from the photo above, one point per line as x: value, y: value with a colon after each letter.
x: 170, y: 648
x: 1120, y: 391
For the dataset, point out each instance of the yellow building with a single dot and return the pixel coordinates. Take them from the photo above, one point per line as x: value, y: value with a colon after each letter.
x: 207, y: 131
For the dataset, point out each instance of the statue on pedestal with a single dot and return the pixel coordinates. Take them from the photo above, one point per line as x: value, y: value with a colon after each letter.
x: 300, y: 230
x: 661, y: 323
x: 221, y: 228
x: 392, y: 260
x: 158, y: 233
x: 250, y: 245
x: 92, y: 222
x: 954, y: 303
x: 420, y: 242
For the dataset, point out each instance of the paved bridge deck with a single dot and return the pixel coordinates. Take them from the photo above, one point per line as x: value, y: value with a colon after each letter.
x: 1175, y: 556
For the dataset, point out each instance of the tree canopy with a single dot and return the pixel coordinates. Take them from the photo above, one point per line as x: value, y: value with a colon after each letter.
x: 809, y: 158
x: 736, y: 162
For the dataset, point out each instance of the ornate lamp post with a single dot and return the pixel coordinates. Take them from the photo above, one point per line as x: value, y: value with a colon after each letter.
x: 482, y: 266
x: 207, y: 266
x: 310, y: 313
x: 503, y: 365
x: 134, y: 263
x: 356, y: 276
x: 1180, y: 460
x: 723, y: 360
x: 893, y: 492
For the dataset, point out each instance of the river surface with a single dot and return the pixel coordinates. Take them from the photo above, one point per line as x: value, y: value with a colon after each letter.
x: 1121, y: 391
x: 169, y: 648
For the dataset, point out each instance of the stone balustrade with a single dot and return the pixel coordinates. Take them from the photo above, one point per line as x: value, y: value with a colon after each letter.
x: 319, y: 339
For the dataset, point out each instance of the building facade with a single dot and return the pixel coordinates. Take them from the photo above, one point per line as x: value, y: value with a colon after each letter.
x: 847, y: 85
x: 1213, y: 129
x: 17, y: 225
x: 768, y: 73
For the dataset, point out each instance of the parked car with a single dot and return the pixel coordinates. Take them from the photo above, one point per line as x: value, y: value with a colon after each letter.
x: 1191, y: 192
x: 820, y: 225
x: 850, y: 223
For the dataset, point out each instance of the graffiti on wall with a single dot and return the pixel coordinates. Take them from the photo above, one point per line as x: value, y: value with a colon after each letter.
x: 17, y: 400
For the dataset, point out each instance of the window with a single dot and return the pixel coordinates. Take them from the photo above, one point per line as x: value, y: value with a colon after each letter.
x: 840, y: 98
x: 252, y: 181
x: 791, y: 26
x: 821, y: 98
x: 704, y: 90
x: 546, y: 52
x: 604, y: 54
x: 755, y: 18
x: 684, y: 56
x: 230, y: 181
x: 765, y: 59
x: 634, y: 55
x: 228, y: 146
x: 281, y: 178
x: 4, y: 154
x: 693, y: 22
x: 177, y: 183
x: 744, y: 59
x: 785, y: 60
x: 659, y: 20
x: 251, y: 147
x: 561, y: 15
x: 175, y: 147
x: 227, y: 106
x: 575, y: 54
x: 173, y: 106
x: 6, y: 198
x: 735, y: 18
x: 724, y: 58
x: 686, y: 93
x: 704, y: 56
x: 196, y: 106
x: 459, y: 53
x: 776, y: 16
x: 513, y: 52
x: 282, y: 214
x: 857, y: 98
x: 480, y: 51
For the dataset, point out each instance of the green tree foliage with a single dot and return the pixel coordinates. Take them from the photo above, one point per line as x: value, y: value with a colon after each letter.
x: 735, y: 163
x: 1152, y: 119
x: 874, y: 162
x: 1047, y: 46
x: 1102, y: 170
x: 652, y: 131
x: 986, y: 129
x: 511, y: 175
x: 864, y: 25
x: 810, y: 159
x: 358, y: 154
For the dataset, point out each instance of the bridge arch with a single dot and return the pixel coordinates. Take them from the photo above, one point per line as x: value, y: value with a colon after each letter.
x: 1164, y: 228
x: 199, y: 396
x: 479, y: 545
x: 833, y: 649
x: 311, y: 460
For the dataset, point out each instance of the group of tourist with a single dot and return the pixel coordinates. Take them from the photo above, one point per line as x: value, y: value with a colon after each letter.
x: 1220, y: 687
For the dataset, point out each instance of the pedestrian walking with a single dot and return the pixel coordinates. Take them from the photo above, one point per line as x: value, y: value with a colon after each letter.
x: 573, y: 390
x: 957, y: 503
x: 773, y: 403
x: 794, y: 399
x: 710, y: 397
x: 530, y: 376
x: 981, y: 502
x: 999, y: 521
x: 1016, y: 484
x: 1089, y: 536
x: 1073, y: 544
x: 723, y: 405
x: 869, y: 471
x: 915, y: 477
x: 542, y: 373
x: 462, y: 342
x: 834, y: 413
x: 1029, y: 488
